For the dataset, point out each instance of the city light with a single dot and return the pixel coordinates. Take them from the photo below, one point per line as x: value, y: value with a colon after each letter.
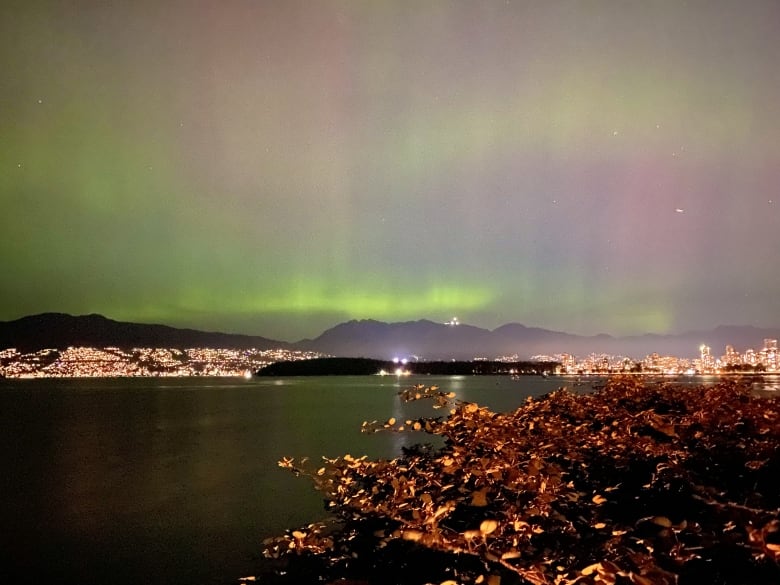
x: 764, y: 360
x: 112, y: 362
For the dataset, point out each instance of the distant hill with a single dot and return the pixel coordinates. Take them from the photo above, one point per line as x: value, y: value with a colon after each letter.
x: 59, y: 330
x: 375, y: 339
x: 432, y: 341
x: 378, y: 340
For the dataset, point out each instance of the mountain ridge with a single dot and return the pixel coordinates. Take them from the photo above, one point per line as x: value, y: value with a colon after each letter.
x: 61, y: 330
x: 370, y: 338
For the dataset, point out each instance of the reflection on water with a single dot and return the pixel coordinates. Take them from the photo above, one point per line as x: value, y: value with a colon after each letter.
x: 502, y: 393
x: 766, y: 385
x: 176, y: 481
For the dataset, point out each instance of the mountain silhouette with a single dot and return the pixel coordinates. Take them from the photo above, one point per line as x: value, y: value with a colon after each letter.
x: 60, y: 330
x: 368, y: 338
x: 434, y: 341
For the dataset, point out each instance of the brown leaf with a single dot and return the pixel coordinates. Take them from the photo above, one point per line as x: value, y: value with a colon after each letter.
x: 590, y: 569
x: 479, y: 498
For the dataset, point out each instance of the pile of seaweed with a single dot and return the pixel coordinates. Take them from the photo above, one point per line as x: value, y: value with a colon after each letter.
x: 643, y: 483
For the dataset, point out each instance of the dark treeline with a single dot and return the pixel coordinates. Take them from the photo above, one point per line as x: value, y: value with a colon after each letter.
x: 367, y: 367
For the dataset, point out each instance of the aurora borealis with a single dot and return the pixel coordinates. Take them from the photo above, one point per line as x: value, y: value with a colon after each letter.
x: 275, y: 168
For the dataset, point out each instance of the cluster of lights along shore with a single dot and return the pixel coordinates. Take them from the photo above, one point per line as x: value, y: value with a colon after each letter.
x: 112, y: 362
x: 732, y: 361
x: 90, y: 362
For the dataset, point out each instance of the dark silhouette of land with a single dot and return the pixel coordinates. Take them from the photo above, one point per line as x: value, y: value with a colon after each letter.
x: 437, y: 341
x: 423, y: 339
x: 367, y: 367
x: 59, y: 330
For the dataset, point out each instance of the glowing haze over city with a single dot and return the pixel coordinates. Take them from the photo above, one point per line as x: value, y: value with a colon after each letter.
x: 275, y: 168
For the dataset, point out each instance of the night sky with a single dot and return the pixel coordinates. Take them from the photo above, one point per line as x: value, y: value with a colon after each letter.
x: 278, y: 167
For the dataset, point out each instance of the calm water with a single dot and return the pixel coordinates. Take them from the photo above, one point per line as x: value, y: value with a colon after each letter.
x: 176, y: 481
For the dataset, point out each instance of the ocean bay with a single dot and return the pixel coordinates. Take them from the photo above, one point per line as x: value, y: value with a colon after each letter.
x: 176, y: 480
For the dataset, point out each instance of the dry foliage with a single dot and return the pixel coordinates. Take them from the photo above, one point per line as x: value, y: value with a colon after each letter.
x: 635, y: 483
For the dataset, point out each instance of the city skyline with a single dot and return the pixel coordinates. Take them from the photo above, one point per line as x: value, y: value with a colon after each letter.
x: 412, y: 340
x: 278, y: 168
x: 100, y: 362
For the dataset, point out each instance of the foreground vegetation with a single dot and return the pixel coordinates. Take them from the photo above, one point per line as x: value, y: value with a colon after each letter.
x: 635, y: 483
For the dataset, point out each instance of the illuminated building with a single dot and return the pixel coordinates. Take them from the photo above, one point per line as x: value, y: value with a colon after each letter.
x: 770, y: 354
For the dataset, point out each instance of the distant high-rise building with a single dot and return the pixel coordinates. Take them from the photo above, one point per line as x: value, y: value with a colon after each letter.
x: 770, y: 354
x: 706, y: 361
x: 732, y: 357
